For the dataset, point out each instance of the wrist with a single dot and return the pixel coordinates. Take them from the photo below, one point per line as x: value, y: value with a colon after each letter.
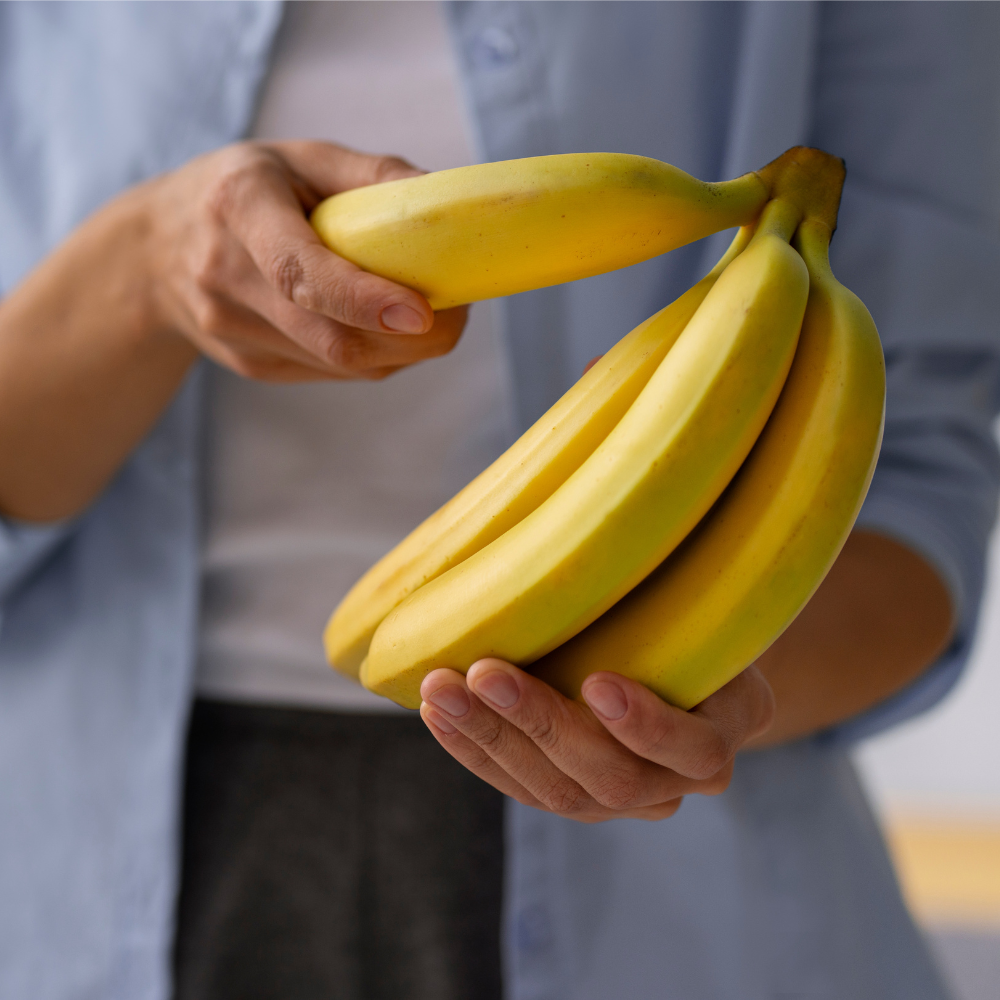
x: 131, y: 246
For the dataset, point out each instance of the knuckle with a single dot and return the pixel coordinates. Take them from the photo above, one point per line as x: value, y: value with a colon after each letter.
x: 242, y: 167
x: 287, y: 273
x: 388, y: 167
x: 208, y: 266
x: 618, y: 791
x: 663, y: 811
x: 718, y: 782
x: 251, y: 367
x: 438, y: 346
x: 347, y: 352
x: 710, y: 760
x: 341, y: 293
x: 242, y: 365
x: 493, y: 738
x: 212, y: 318
x: 658, y: 739
x: 542, y: 730
x: 565, y: 798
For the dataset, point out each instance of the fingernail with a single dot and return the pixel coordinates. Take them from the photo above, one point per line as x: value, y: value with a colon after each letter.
x: 402, y: 319
x: 438, y: 720
x: 497, y: 688
x: 452, y: 700
x: 606, y: 699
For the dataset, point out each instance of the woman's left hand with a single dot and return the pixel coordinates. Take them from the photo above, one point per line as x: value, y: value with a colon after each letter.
x: 626, y: 753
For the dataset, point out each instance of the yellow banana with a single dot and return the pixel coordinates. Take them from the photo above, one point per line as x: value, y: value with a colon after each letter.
x: 632, y: 501
x: 744, y: 574
x: 517, y: 482
x: 496, y: 229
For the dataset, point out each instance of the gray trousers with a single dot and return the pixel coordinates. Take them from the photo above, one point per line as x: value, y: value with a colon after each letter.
x: 334, y: 857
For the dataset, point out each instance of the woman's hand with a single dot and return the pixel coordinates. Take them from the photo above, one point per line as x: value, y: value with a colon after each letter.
x: 238, y: 270
x: 628, y: 754
x: 216, y: 257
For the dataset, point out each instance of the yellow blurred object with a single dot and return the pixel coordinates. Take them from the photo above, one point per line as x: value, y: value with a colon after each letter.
x: 496, y: 229
x: 949, y: 869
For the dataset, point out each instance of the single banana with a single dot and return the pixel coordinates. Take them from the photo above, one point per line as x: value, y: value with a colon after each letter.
x: 516, y: 483
x: 496, y: 229
x: 632, y: 501
x: 744, y: 574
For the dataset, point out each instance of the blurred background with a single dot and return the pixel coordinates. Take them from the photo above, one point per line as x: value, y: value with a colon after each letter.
x: 936, y: 784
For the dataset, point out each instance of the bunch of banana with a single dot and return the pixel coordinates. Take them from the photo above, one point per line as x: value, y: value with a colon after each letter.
x: 541, y: 460
x: 495, y: 229
x: 752, y: 564
x: 633, y: 500
x: 640, y: 460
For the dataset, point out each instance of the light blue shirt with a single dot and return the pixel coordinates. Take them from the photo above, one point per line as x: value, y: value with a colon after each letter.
x: 779, y: 887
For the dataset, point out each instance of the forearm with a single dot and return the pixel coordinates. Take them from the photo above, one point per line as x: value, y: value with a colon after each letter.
x: 215, y: 258
x: 880, y: 618
x: 85, y: 369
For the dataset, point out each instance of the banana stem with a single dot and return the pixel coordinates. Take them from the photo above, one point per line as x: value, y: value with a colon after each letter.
x: 780, y: 218
x: 808, y: 177
x: 812, y: 241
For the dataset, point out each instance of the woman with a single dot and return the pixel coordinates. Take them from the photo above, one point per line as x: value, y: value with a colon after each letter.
x: 780, y: 885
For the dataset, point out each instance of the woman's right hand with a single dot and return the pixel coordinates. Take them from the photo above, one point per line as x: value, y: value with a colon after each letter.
x: 218, y: 258
x: 238, y: 270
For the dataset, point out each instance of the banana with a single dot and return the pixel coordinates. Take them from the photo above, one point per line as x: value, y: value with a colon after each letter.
x: 632, y: 500
x: 495, y: 229
x: 744, y: 574
x: 516, y: 483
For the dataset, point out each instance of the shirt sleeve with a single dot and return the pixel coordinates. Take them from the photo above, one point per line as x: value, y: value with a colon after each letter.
x: 23, y: 548
x: 910, y: 96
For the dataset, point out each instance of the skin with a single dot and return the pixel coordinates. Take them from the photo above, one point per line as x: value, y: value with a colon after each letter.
x: 217, y: 259
x: 880, y: 618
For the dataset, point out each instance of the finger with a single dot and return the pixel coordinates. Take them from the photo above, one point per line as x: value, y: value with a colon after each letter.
x: 663, y: 810
x: 570, y: 737
x: 741, y: 710
x: 243, y: 341
x: 237, y: 337
x: 516, y: 754
x: 342, y: 351
x: 476, y: 760
x: 473, y: 757
x: 327, y: 168
x: 345, y: 349
x: 698, y: 744
x: 258, y: 203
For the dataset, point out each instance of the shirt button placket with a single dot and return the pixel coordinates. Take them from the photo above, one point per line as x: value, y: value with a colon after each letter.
x: 493, y: 47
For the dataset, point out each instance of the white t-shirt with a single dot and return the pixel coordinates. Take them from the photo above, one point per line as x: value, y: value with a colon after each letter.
x: 308, y: 485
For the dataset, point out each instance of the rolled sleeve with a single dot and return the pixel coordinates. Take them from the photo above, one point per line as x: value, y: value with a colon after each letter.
x: 23, y: 549
x: 930, y: 280
x: 929, y: 276
x: 935, y: 491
